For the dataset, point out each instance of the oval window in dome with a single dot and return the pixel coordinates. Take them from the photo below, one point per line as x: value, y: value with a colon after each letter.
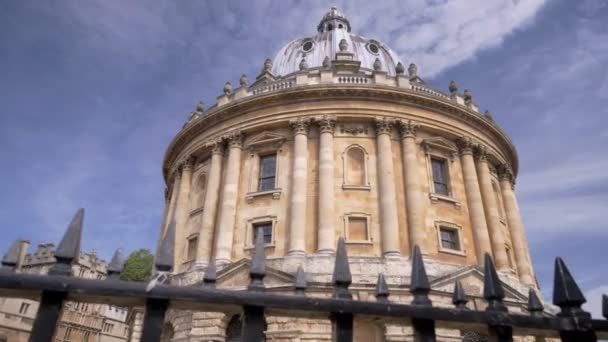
x: 307, y: 46
x: 373, y: 48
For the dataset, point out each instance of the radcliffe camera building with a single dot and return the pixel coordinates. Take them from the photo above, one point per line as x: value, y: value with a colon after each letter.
x: 339, y: 137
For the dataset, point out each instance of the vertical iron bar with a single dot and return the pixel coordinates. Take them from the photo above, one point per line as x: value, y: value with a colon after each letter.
x: 342, y: 327
x: 154, y: 319
x: 254, y: 323
x: 501, y: 330
x: 424, y: 329
x: 51, y: 303
x: 342, y: 324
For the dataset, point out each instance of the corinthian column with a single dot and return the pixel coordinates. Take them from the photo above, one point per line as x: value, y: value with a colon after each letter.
x: 520, y: 246
x: 474, y: 202
x: 297, y: 221
x: 389, y: 222
x: 413, y: 196
x: 182, y: 213
x: 205, y: 235
x: 225, y: 226
x: 501, y: 259
x: 326, y: 234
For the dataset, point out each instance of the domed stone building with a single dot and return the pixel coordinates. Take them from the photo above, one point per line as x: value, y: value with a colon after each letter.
x: 335, y: 138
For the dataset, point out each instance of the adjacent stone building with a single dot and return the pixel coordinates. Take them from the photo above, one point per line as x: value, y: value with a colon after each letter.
x: 337, y: 138
x: 79, y: 322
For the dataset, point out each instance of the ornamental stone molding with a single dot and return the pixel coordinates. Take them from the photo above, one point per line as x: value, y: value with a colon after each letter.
x: 408, y: 128
x: 300, y: 126
x: 481, y: 152
x: 384, y: 125
x: 327, y: 123
x: 216, y: 146
x: 234, y: 139
x: 466, y: 145
x: 188, y: 164
x: 505, y: 172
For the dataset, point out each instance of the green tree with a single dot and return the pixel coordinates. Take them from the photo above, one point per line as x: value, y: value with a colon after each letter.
x: 138, y: 266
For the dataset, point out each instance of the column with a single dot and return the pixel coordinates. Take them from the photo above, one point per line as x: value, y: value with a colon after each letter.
x: 474, y: 202
x: 413, y: 194
x: 170, y: 206
x: 501, y: 259
x: 205, y: 235
x: 326, y: 235
x: 389, y: 222
x: 225, y: 226
x: 297, y: 221
x: 520, y: 246
x: 182, y: 213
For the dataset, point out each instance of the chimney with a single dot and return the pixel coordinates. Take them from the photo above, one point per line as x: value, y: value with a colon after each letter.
x: 24, y: 245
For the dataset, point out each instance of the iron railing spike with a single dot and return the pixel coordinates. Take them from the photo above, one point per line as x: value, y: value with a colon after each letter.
x: 341, y: 277
x: 492, y: 286
x: 300, y: 281
x: 115, y: 266
x: 69, y: 247
x: 459, y: 298
x: 210, y: 276
x: 605, y: 306
x: 164, y: 255
x: 257, y: 272
x: 566, y: 293
x: 419, y: 284
x: 382, y: 292
x: 11, y: 258
x: 535, y: 306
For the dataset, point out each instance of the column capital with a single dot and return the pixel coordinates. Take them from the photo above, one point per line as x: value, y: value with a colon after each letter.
x: 505, y: 173
x: 465, y: 145
x: 384, y: 125
x: 216, y: 146
x: 408, y: 128
x: 327, y: 123
x: 188, y: 164
x: 300, y: 125
x: 481, y: 153
x: 234, y: 139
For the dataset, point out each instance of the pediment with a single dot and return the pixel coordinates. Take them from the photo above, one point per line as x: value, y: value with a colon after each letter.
x: 266, y: 139
x: 471, y: 279
x: 236, y: 276
x: 440, y: 143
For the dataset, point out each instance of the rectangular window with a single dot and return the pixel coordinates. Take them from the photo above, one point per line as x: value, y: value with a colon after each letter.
x: 192, y: 245
x: 264, y: 228
x: 23, y: 308
x: 449, y: 238
x: 357, y: 229
x: 268, y: 170
x: 440, y: 176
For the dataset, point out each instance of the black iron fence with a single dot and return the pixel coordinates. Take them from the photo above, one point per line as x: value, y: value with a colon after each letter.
x: 572, y: 323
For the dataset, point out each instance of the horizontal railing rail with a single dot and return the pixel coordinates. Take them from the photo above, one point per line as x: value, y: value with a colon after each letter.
x: 572, y: 323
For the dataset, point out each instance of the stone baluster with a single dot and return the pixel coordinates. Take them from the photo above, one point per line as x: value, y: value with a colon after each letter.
x: 225, y: 227
x: 490, y: 206
x: 297, y: 222
x: 520, y: 249
x: 413, y: 192
x: 475, y: 204
x: 182, y: 213
x: 205, y: 239
x: 326, y: 234
x: 389, y: 222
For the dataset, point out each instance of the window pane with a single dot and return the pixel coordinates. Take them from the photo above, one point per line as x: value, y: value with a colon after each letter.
x: 265, y: 229
x: 449, y: 238
x: 439, y: 176
x: 266, y: 184
x: 268, y: 166
x: 357, y: 228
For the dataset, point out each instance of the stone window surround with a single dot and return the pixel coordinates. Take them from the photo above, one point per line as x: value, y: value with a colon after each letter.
x: 346, y: 186
x: 368, y: 217
x: 256, y: 151
x: 188, y: 239
x: 456, y: 227
x: 249, y: 243
x: 438, y: 148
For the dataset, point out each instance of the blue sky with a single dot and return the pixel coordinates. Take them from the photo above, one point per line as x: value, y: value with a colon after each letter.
x: 93, y: 91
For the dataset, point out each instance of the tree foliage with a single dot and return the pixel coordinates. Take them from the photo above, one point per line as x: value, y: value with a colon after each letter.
x: 138, y: 266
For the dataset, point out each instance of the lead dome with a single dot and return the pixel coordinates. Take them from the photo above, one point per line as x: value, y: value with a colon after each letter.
x: 333, y: 28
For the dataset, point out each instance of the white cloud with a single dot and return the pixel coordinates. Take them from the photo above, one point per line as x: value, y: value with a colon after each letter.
x: 594, y: 300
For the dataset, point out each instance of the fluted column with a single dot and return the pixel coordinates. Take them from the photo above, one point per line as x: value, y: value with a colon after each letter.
x: 297, y: 220
x: 182, y: 213
x: 474, y: 201
x: 518, y: 238
x: 413, y: 194
x: 205, y: 235
x: 389, y: 222
x: 326, y: 234
x: 501, y: 259
x: 225, y: 226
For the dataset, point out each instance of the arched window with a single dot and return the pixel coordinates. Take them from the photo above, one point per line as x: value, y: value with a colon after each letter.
x: 355, y: 167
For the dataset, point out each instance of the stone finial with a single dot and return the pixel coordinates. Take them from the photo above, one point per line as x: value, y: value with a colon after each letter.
x: 412, y: 70
x: 488, y: 115
x: 200, y: 107
x: 267, y: 65
x: 303, y: 65
x: 468, y: 97
x: 400, y: 69
x: 243, y: 80
x: 326, y: 62
x: 228, y: 88
x: 453, y: 88
x: 343, y: 45
x: 377, y: 64
x: 492, y: 286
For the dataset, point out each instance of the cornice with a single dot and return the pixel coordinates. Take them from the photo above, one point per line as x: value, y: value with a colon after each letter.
x: 333, y: 92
